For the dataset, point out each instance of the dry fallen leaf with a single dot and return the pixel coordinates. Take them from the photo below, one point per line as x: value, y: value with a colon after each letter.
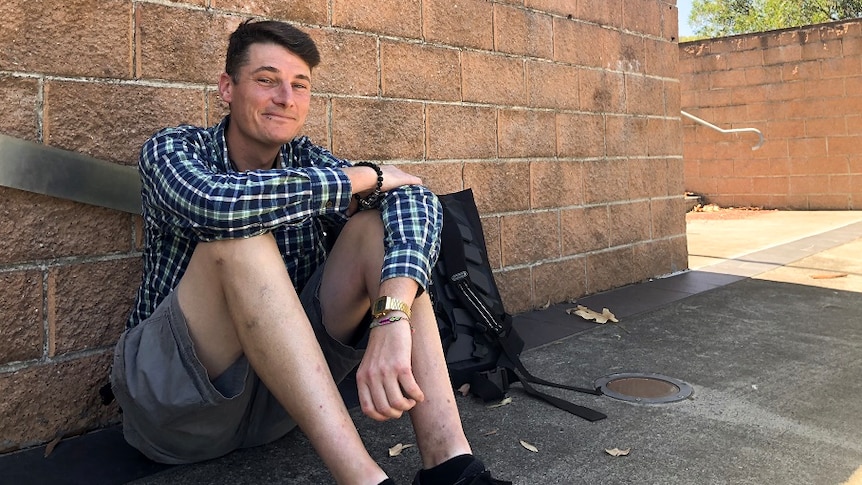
x: 618, y: 452
x: 397, y: 449
x: 53, y: 444
x: 546, y: 305
x: 828, y: 276
x: 604, y: 317
x: 508, y: 400
x: 529, y: 446
x: 465, y: 389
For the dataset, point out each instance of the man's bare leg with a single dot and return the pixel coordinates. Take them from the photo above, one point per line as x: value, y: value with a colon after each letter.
x: 358, y: 256
x: 238, y: 298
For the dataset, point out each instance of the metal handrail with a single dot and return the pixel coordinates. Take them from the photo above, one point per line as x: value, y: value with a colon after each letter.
x: 733, y: 130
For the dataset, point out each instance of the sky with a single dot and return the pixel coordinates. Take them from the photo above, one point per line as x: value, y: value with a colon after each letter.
x: 684, y: 7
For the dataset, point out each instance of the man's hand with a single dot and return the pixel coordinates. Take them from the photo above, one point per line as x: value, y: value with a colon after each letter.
x: 364, y: 179
x: 385, y: 379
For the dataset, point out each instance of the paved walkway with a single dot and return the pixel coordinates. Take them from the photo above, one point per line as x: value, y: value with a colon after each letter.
x: 766, y: 328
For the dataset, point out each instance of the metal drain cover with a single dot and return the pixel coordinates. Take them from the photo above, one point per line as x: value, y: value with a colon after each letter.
x: 644, y: 388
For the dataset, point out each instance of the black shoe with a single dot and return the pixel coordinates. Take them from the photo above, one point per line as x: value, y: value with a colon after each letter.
x: 474, y: 474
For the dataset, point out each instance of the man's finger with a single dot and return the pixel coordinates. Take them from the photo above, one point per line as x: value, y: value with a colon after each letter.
x: 411, y: 388
x: 367, y: 404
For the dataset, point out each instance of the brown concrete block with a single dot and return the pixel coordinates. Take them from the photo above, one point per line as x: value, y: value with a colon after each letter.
x: 521, y: 32
x: 138, y: 232
x: 165, y: 50
x: 610, y: 269
x: 530, y: 237
x: 569, y: 37
x: 664, y: 137
x: 672, y: 99
x: 559, y: 7
x: 603, y: 12
x: 782, y: 54
x: 21, y: 316
x: 499, y: 186
x: 508, y: 87
x: 669, y: 21
x: 88, y: 304
x: 111, y: 121
x: 644, y: 96
x: 648, y: 178
x: 626, y: 136
x: 829, y: 201
x: 397, y: 129
x: 217, y: 108
x: 660, y: 59
x: 526, y: 134
x: 602, y: 91
x: 307, y: 11
x: 651, y: 259
x: 668, y: 217
x: 679, y: 253
x: 467, y: 23
x: 440, y: 177
x: 515, y: 289
x: 420, y: 72
x: 316, y: 125
x: 38, y: 227
x: 491, y: 228
x: 580, y: 135
x: 630, y: 223
x: 460, y: 132
x: 843, y: 145
x: 348, y: 63
x: 51, y: 400
x: 393, y: 17
x: 36, y: 37
x: 20, y: 114
x: 552, y: 85
x: 584, y: 229
x: 556, y: 184
x: 559, y: 281
x: 800, y: 149
x: 643, y: 17
x: 606, y: 180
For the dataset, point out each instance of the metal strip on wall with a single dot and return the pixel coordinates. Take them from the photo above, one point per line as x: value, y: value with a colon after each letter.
x: 35, y: 167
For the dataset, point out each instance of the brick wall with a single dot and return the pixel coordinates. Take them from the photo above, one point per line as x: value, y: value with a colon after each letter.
x: 803, y: 89
x: 562, y: 115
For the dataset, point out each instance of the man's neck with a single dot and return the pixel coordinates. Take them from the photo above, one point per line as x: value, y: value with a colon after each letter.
x: 247, y: 155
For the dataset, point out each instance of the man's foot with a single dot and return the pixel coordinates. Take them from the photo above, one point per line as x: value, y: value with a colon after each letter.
x: 474, y: 474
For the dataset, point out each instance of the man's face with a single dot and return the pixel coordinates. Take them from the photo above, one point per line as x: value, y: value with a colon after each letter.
x: 269, y: 100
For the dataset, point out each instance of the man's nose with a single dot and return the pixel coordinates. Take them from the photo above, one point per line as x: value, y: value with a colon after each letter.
x: 284, y: 96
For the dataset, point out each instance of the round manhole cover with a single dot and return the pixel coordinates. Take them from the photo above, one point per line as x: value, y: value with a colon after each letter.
x: 644, y: 388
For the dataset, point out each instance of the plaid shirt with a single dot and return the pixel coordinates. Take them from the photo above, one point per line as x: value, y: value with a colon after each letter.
x: 191, y: 192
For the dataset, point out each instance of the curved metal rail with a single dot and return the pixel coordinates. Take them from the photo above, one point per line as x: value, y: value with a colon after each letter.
x: 733, y: 130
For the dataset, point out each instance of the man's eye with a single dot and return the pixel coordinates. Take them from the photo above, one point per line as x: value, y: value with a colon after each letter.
x: 300, y: 86
x: 264, y: 80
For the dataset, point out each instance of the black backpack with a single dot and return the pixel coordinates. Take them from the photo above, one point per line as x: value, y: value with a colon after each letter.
x: 482, y: 348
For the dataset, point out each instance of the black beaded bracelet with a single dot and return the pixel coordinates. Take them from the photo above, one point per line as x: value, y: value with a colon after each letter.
x: 372, y: 201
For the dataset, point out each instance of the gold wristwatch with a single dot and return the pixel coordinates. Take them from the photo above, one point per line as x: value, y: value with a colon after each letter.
x: 386, y: 304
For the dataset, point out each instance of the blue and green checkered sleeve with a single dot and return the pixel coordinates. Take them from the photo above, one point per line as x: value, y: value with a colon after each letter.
x: 184, y: 191
x: 412, y: 220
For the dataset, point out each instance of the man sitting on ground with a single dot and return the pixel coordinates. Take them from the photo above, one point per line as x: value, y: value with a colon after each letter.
x: 245, y: 322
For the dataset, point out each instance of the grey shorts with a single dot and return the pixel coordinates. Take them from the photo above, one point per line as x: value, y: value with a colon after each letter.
x: 173, y: 413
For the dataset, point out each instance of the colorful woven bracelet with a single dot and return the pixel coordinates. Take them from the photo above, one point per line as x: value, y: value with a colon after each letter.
x: 385, y: 321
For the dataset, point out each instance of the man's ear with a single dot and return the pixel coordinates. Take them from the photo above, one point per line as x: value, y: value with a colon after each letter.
x: 225, y: 87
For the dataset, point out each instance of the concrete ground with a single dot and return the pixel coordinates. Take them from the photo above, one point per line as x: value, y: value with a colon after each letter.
x: 766, y: 329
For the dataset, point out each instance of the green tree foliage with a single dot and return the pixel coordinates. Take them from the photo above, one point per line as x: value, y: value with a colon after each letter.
x: 717, y: 18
